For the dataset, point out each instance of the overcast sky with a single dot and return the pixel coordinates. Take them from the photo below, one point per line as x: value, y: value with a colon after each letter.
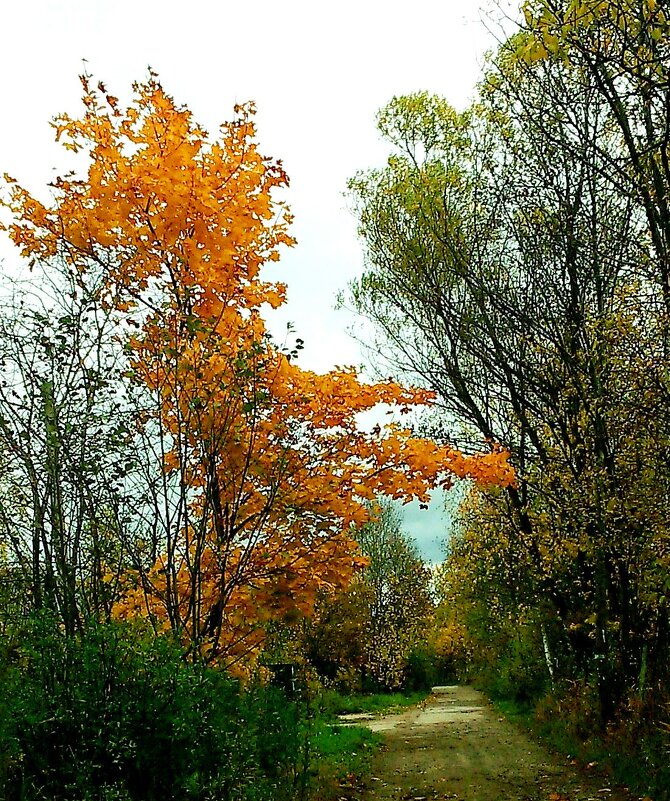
x: 318, y: 72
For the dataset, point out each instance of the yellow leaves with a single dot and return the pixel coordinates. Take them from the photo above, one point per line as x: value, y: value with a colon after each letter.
x: 625, y: 27
x: 528, y: 14
x: 533, y: 51
x: 551, y: 44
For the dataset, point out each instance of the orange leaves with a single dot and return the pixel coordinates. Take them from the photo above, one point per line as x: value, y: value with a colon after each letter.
x: 268, y: 458
x: 410, y: 466
x: 157, y: 185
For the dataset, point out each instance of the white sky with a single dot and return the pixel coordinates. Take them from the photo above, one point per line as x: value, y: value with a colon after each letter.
x: 318, y: 73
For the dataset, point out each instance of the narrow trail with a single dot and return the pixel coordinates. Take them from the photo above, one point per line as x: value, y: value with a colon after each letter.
x: 458, y: 747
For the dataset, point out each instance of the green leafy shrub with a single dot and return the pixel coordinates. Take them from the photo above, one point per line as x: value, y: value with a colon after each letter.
x: 118, y: 714
x: 570, y: 714
x: 423, y: 669
x: 640, y: 743
x: 514, y: 669
x: 634, y: 746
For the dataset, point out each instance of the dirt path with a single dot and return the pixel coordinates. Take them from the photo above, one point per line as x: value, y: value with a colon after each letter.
x: 457, y: 747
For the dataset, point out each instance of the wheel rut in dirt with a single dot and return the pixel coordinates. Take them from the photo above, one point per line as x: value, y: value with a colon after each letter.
x: 456, y: 746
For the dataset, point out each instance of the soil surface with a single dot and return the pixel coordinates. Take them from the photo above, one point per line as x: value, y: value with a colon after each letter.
x: 456, y: 746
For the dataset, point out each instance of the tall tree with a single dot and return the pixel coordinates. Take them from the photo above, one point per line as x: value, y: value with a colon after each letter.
x: 67, y: 445
x: 499, y: 241
x: 264, y: 470
x: 624, y: 48
x: 363, y: 637
x: 400, y: 596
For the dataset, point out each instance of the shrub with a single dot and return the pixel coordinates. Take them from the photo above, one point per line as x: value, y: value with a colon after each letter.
x: 117, y: 714
x: 634, y: 746
x: 423, y: 669
x: 514, y: 669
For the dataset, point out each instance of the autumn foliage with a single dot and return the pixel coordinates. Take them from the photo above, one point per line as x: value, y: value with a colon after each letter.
x: 265, y: 469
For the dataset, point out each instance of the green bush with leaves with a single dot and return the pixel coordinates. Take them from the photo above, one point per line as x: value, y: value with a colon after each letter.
x: 117, y: 713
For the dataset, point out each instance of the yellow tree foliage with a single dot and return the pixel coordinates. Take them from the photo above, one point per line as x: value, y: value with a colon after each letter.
x: 270, y: 469
x: 611, y: 26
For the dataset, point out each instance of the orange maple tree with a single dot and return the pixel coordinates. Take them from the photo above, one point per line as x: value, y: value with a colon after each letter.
x: 270, y: 471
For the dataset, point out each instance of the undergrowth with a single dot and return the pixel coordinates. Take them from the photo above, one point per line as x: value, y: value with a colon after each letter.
x: 343, y: 755
x: 633, y: 749
x: 117, y: 714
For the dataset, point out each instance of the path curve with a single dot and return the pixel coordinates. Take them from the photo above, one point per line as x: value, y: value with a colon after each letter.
x: 456, y: 746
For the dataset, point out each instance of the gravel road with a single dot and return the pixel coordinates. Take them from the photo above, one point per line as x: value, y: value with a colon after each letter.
x: 456, y: 746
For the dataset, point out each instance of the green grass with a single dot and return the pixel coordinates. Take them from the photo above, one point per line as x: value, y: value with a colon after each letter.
x: 341, y: 755
x: 341, y: 759
x: 332, y: 703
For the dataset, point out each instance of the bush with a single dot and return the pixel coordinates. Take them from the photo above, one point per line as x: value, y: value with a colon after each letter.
x: 634, y: 746
x: 514, y: 669
x: 423, y: 669
x: 639, y: 739
x: 331, y: 703
x: 117, y: 714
